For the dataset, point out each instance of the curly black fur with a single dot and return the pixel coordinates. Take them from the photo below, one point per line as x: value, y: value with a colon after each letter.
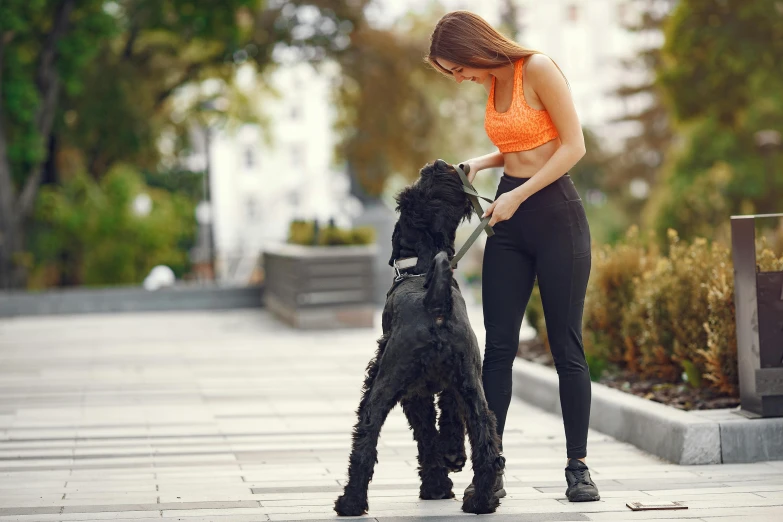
x: 427, y: 349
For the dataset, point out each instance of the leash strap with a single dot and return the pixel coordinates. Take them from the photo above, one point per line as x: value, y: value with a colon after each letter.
x: 474, y: 199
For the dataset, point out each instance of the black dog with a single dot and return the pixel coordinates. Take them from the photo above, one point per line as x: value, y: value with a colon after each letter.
x: 427, y: 348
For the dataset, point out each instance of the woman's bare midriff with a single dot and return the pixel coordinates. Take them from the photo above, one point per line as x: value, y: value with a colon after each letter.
x: 526, y: 163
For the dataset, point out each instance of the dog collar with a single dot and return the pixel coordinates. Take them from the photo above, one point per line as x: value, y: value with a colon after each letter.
x: 405, y: 262
x: 402, y: 264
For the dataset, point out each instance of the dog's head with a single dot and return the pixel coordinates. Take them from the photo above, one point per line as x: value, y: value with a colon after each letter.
x: 430, y: 211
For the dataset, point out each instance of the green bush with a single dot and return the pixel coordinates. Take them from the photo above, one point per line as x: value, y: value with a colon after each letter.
x: 85, y: 232
x: 660, y: 315
x: 310, y: 233
x: 615, y: 274
x: 668, y: 316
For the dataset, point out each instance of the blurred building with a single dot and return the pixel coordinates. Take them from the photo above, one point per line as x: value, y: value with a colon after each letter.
x: 589, y: 39
x: 261, y: 179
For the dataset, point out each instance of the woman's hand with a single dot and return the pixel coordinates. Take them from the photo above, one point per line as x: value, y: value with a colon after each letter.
x: 472, y: 169
x: 503, y: 207
x: 487, y: 161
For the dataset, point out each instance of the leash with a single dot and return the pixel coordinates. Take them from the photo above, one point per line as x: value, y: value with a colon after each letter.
x: 474, y: 196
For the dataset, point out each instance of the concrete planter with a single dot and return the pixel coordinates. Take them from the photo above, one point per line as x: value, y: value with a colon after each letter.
x: 320, y: 287
x: 682, y: 437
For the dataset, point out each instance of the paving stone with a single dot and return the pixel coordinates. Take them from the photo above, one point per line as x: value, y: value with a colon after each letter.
x: 194, y: 416
x: 521, y: 517
x: 36, y: 510
x: 223, y: 512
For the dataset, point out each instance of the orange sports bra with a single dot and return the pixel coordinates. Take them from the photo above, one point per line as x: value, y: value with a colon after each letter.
x: 521, y: 127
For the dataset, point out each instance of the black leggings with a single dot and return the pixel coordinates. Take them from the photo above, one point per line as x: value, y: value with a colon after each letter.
x: 547, y: 238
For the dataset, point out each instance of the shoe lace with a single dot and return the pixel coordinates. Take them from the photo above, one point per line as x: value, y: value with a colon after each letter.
x: 581, y: 476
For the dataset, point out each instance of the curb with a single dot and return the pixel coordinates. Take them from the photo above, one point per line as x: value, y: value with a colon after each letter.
x: 711, y: 437
x: 128, y: 299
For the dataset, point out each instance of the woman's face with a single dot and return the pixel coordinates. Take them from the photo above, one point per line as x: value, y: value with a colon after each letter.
x: 461, y: 73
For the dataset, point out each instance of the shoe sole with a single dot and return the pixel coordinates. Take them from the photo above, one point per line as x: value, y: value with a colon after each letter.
x: 585, y: 498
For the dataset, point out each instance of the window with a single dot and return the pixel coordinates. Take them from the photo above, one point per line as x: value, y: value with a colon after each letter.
x: 250, y: 158
x: 250, y: 209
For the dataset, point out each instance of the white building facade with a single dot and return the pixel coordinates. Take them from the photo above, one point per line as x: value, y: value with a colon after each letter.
x: 261, y: 180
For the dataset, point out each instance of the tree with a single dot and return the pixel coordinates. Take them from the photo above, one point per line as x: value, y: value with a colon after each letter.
x: 90, y: 83
x: 643, y: 154
x: 397, y: 113
x: 721, y: 57
x: 720, y: 77
x: 385, y: 119
x: 44, y: 45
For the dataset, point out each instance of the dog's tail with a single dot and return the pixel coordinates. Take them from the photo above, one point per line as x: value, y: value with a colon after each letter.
x: 437, y: 300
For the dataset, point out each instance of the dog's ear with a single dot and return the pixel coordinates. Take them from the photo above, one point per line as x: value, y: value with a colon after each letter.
x: 429, y: 169
x: 405, y: 199
x: 395, y: 244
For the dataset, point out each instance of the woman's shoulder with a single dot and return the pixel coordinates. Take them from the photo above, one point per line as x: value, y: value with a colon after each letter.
x: 539, y: 62
x: 540, y: 67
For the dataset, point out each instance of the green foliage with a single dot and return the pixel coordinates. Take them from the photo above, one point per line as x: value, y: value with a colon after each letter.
x: 397, y: 113
x: 667, y: 314
x: 722, y: 56
x: 86, y: 232
x: 596, y: 365
x: 596, y: 173
x: 697, y: 206
x: 310, y: 233
x: 385, y: 119
x: 721, y: 81
x: 88, y: 84
x: 535, y: 313
x: 25, y: 24
x: 611, y: 292
x: 188, y: 183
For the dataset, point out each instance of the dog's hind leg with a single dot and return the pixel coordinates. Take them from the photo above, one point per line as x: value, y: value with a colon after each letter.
x: 484, y: 446
x: 451, y: 431
x: 373, y: 409
x: 435, y: 481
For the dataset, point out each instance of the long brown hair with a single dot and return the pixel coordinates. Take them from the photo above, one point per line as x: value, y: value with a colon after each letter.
x: 467, y: 39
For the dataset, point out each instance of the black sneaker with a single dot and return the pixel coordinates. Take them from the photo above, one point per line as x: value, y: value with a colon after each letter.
x: 500, y: 491
x: 581, y: 488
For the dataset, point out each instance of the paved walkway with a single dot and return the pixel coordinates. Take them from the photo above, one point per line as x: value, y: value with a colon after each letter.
x: 231, y: 416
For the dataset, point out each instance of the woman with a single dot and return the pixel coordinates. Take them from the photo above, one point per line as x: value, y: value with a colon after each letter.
x: 541, y: 229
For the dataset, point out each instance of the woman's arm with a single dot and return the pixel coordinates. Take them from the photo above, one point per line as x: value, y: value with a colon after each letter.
x: 487, y: 161
x: 552, y: 89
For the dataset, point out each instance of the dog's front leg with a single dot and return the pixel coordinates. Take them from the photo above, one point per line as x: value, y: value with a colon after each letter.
x: 485, y: 453
x: 373, y: 409
x: 435, y: 481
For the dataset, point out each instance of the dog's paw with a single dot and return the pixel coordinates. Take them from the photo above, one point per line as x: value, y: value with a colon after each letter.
x: 455, y: 462
x: 436, y: 486
x: 472, y: 504
x: 435, y: 494
x: 346, y: 506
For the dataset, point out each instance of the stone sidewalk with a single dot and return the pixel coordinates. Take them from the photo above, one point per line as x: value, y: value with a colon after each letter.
x: 231, y: 416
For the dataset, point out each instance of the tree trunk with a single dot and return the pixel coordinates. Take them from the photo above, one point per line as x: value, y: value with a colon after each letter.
x: 48, y: 81
x: 15, y: 211
x: 8, y: 221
